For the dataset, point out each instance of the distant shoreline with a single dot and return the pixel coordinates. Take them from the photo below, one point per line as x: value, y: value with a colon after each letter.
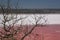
x: 31, y: 11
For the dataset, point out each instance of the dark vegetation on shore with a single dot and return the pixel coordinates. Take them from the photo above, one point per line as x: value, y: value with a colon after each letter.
x: 44, y: 11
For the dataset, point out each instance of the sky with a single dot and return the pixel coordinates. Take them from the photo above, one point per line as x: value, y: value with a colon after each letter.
x: 41, y: 4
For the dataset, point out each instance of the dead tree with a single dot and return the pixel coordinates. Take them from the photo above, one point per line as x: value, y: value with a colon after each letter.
x: 7, y: 19
x: 7, y: 27
x: 37, y: 21
x: 10, y: 28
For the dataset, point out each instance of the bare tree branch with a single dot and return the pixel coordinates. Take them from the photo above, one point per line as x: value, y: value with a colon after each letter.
x: 36, y: 24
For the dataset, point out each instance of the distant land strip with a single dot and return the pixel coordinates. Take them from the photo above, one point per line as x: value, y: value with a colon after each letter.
x: 31, y: 11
